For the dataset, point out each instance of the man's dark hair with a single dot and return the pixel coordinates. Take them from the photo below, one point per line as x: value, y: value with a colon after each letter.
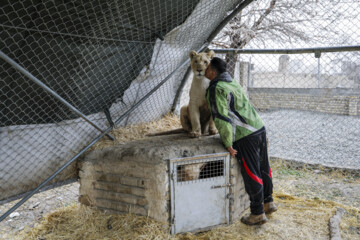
x: 218, y: 65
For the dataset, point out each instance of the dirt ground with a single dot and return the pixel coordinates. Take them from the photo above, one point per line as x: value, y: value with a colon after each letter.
x: 317, y: 182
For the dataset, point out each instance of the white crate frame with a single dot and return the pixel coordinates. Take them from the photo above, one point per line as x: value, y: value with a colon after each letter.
x: 174, y: 163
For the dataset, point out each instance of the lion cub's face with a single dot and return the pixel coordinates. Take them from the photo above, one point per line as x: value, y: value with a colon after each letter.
x: 199, y: 62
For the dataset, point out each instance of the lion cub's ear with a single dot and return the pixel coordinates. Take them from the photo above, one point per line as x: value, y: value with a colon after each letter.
x: 192, y: 54
x: 211, y: 54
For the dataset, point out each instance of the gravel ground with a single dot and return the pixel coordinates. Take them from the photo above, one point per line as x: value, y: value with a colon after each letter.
x: 35, y: 208
x: 316, y: 138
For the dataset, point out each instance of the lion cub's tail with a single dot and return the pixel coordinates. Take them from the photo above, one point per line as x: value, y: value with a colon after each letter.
x: 174, y: 131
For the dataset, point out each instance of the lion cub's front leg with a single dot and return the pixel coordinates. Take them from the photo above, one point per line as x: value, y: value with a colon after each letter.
x: 195, y: 121
x: 212, y: 128
x: 185, y: 118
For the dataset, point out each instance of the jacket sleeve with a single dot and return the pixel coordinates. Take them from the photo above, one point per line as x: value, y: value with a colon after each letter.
x: 217, y: 100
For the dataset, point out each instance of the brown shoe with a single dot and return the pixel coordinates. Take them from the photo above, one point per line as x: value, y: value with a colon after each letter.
x: 254, y: 219
x: 269, y: 207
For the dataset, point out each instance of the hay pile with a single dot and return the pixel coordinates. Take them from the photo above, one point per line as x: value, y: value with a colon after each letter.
x: 138, y: 131
x: 297, y: 218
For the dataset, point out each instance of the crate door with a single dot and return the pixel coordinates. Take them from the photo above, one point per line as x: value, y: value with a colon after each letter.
x: 199, y: 188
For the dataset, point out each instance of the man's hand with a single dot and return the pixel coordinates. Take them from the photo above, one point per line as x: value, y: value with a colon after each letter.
x: 232, y: 151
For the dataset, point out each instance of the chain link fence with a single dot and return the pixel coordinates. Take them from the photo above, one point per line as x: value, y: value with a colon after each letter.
x: 72, y: 71
x: 310, y: 105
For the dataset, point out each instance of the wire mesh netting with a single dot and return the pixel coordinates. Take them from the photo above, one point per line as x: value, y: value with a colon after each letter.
x: 195, y: 171
x: 309, y: 108
x: 99, y: 57
x: 94, y: 65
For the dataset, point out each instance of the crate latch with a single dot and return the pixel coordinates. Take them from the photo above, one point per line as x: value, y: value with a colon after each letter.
x: 221, y: 186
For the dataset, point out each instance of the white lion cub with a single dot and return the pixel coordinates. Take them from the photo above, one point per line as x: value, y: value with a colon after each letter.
x: 196, y: 117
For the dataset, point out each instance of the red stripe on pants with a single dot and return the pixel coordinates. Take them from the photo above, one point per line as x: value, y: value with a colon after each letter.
x: 253, y: 176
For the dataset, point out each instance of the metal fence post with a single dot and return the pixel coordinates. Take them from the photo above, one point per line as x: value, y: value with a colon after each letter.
x: 318, y: 55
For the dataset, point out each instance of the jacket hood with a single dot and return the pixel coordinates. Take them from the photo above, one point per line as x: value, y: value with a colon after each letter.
x: 225, y: 77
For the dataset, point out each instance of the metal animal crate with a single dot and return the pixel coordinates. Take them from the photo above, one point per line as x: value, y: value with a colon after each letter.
x: 199, y: 188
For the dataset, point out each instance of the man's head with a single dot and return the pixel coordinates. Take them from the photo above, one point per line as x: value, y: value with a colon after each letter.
x: 216, y: 67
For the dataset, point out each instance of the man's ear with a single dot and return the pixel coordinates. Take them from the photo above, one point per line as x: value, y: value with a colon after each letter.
x: 192, y: 54
x: 211, y: 54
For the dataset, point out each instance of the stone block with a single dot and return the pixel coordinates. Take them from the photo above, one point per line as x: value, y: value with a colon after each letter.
x: 353, y: 102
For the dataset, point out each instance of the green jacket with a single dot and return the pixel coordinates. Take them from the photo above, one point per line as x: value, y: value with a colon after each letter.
x: 232, y: 112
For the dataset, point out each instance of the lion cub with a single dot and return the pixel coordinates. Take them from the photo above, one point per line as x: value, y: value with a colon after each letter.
x: 196, y: 117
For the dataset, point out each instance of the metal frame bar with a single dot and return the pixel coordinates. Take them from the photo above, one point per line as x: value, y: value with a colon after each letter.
x: 317, y: 51
x: 289, y: 51
x: 225, y: 21
x: 50, y: 91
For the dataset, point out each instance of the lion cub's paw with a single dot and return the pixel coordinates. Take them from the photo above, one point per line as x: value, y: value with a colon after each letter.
x: 195, y: 134
x: 213, y: 131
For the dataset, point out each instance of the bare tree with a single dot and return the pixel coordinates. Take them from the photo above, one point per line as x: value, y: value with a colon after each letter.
x: 286, y: 22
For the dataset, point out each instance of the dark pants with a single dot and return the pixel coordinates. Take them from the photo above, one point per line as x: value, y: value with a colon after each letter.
x: 255, y: 169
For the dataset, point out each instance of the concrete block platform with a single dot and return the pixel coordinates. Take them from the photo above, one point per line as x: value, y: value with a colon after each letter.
x: 135, y: 177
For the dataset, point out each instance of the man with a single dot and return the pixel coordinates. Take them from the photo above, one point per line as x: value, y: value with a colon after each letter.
x: 243, y: 134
